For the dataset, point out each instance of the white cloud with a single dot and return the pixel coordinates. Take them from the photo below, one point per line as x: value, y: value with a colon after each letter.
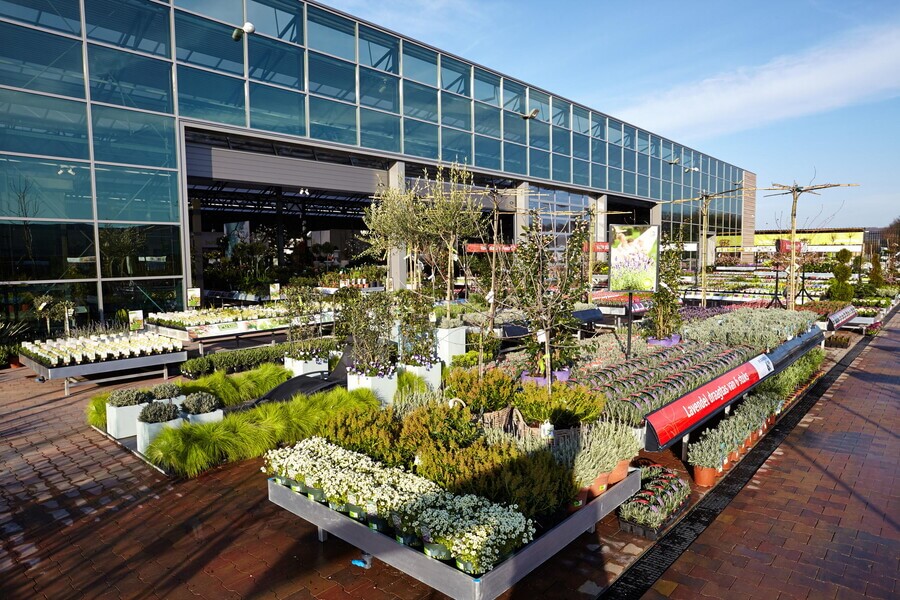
x: 855, y: 68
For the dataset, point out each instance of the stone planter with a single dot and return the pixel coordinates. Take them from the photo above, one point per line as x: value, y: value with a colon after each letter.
x: 431, y: 375
x: 121, y: 421
x: 210, y: 417
x: 450, y: 343
x: 147, y: 432
x: 304, y: 367
x: 384, y: 387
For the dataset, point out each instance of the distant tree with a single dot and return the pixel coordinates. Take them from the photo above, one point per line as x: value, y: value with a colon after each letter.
x: 876, y: 275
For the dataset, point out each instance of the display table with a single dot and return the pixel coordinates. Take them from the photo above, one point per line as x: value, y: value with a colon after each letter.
x: 70, y: 372
x: 438, y: 575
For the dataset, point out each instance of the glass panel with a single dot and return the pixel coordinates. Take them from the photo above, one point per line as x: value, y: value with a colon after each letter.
x: 614, y: 156
x: 278, y: 18
x: 330, y: 33
x: 420, y: 101
x: 130, y: 80
x: 139, y: 250
x: 643, y: 142
x: 46, y: 250
x: 654, y: 146
x: 655, y: 167
x: 39, y: 61
x: 598, y: 126
x: 643, y: 164
x: 456, y: 111
x: 487, y: 152
x: 628, y: 136
x: 598, y: 151
x: 628, y: 160
x: 378, y: 50
x: 614, y: 132
x: 127, y: 194
x: 420, y: 139
x: 539, y: 164
x: 541, y: 102
x: 539, y: 134
x: 487, y: 87
x: 62, y: 15
x: 125, y: 136
x: 581, y: 120
x: 149, y: 295
x: 379, y: 130
x: 598, y: 177
x: 41, y: 188
x: 132, y: 24
x: 581, y: 146
x: 208, y: 44
x: 456, y: 76
x: 562, y: 143
x: 332, y: 77
x: 514, y: 96
x: 277, y: 110
x: 562, y: 168
x: 18, y: 302
x: 35, y: 124
x: 230, y: 11
x: 332, y: 121
x: 628, y: 185
x: 515, y: 128
x: 274, y: 62
x: 456, y: 146
x: 561, y: 110
x: 643, y: 186
x: 487, y: 120
x: 581, y: 172
x: 210, y: 97
x: 615, y: 180
x: 379, y: 90
x: 514, y: 158
x: 419, y: 64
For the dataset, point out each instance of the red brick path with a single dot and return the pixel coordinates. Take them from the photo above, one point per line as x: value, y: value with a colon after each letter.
x: 821, y: 519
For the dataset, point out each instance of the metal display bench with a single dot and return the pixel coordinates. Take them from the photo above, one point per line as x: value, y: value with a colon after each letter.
x: 70, y: 372
x: 443, y: 577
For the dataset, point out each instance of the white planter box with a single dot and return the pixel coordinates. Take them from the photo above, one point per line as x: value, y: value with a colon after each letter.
x: 304, y: 367
x: 210, y: 417
x: 431, y: 375
x: 147, y: 432
x: 121, y: 420
x: 450, y: 343
x: 384, y: 387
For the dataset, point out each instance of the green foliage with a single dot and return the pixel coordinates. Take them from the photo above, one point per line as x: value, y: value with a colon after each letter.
x: 785, y: 383
x: 159, y: 412
x: 200, y: 403
x: 95, y: 412
x: 406, y: 401
x: 876, y: 275
x: 235, y: 389
x: 408, y: 382
x: 375, y: 433
x: 469, y: 360
x: 233, y: 361
x: 439, y: 426
x: 837, y: 341
x: 840, y: 288
x: 129, y: 397
x: 165, y: 391
x: 417, y: 332
x: 486, y: 342
x: 843, y: 256
x: 492, y: 391
x: 865, y: 290
x: 368, y: 319
x: 663, y: 317
x: 567, y: 406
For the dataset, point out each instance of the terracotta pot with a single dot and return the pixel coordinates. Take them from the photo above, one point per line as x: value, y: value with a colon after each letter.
x: 580, y: 500
x: 704, y: 476
x: 770, y: 422
x: 748, y: 443
x: 754, y: 436
x: 620, y: 472
x: 600, y: 484
x: 734, y: 456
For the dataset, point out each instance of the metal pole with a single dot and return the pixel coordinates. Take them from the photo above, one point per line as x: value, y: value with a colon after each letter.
x: 703, y: 225
x: 630, y: 319
x: 792, y: 274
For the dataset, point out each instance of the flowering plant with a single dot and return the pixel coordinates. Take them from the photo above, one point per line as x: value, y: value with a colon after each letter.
x: 662, y: 493
x: 213, y: 316
x: 97, y: 348
x: 417, y: 332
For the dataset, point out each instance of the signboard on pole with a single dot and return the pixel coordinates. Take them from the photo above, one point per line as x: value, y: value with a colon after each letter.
x: 135, y: 320
x: 785, y: 246
x: 275, y: 291
x: 483, y: 248
x: 597, y: 246
x: 633, y: 258
x: 193, y: 297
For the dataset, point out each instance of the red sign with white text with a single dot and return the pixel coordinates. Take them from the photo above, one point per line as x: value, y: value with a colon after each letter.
x: 673, y: 420
x: 598, y: 246
x: 491, y: 247
x: 785, y: 246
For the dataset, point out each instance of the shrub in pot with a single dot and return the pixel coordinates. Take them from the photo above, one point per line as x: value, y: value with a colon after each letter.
x: 202, y: 407
x: 122, y: 410
x: 168, y: 391
x: 152, y: 419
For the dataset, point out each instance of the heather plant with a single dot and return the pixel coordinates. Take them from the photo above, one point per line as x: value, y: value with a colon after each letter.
x: 159, y: 412
x: 129, y: 397
x: 165, y: 391
x: 200, y: 403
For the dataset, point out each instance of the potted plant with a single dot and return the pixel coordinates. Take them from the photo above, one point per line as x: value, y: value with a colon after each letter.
x: 167, y: 391
x: 417, y: 337
x: 705, y: 456
x: 122, y: 410
x: 368, y: 320
x: 202, y: 407
x: 152, y: 419
x: 596, y: 458
x: 450, y: 337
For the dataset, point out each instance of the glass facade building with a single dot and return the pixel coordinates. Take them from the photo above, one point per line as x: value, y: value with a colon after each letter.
x: 94, y: 95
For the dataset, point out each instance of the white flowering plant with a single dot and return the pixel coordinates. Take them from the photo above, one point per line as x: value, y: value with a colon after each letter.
x: 98, y: 348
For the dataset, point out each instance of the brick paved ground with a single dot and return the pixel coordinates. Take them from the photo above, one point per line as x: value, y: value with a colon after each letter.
x: 820, y: 519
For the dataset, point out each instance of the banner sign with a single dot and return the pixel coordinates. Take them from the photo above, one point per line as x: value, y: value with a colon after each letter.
x: 673, y: 420
x: 491, y: 247
x: 597, y: 246
x: 785, y: 246
x: 633, y: 258
x: 135, y: 320
x: 193, y: 297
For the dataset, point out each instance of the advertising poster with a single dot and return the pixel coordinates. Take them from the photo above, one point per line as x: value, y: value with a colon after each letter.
x: 193, y: 297
x: 135, y: 320
x: 275, y: 291
x: 633, y: 258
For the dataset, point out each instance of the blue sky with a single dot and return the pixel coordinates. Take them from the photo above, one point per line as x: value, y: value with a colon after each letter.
x: 805, y: 90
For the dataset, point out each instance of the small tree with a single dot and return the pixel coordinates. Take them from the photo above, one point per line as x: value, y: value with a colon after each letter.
x: 368, y: 319
x: 839, y: 288
x: 876, y: 275
x: 305, y: 304
x: 663, y: 316
x: 417, y: 332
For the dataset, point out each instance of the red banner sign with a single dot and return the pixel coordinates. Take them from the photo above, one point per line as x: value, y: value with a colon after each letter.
x: 785, y: 246
x: 673, y: 420
x: 598, y: 246
x: 491, y: 247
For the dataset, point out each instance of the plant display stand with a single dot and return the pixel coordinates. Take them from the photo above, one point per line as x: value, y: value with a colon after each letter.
x: 443, y: 577
x: 69, y: 373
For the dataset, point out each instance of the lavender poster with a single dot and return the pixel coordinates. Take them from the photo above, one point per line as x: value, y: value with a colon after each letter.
x: 633, y: 258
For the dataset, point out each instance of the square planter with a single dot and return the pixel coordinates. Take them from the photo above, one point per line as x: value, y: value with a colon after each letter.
x: 147, y: 432
x: 304, y: 367
x: 450, y: 343
x: 384, y: 387
x: 431, y: 375
x: 121, y: 421
x: 210, y: 417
